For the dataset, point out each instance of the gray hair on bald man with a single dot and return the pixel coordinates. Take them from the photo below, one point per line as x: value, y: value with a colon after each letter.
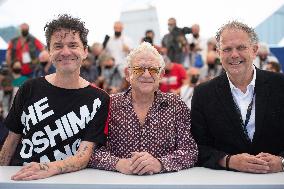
x: 145, y: 46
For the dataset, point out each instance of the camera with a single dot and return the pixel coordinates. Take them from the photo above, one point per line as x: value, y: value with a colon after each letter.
x: 181, y: 31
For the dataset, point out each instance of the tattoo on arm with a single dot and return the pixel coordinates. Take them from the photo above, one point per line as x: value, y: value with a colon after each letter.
x: 43, y: 166
x: 8, y: 149
x: 75, y: 162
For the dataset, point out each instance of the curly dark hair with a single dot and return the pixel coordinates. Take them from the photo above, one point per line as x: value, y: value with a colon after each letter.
x: 66, y: 21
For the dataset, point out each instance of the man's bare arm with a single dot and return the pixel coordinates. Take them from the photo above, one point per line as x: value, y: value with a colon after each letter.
x: 33, y: 171
x: 78, y: 161
x: 9, y: 148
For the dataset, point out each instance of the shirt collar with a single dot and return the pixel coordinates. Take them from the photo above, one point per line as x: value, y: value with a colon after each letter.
x: 252, y: 83
x: 158, y: 100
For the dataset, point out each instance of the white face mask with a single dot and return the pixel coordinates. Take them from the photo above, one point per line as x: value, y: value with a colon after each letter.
x: 170, y: 28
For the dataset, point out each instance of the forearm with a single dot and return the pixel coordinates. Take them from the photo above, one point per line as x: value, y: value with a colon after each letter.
x: 9, y: 148
x: 73, y: 163
x: 5, y: 156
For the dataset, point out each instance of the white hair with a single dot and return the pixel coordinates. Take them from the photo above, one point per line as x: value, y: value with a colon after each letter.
x: 263, y: 48
x: 145, y: 46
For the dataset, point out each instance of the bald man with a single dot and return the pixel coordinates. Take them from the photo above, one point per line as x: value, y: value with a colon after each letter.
x: 119, y: 46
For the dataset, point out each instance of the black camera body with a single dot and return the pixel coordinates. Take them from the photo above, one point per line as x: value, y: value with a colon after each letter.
x: 180, y: 32
x: 175, y: 41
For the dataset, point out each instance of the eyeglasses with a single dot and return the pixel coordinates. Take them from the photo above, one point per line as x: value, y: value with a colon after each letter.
x: 138, y: 70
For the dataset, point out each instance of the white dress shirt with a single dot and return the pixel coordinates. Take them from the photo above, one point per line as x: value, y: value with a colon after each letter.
x: 243, y: 100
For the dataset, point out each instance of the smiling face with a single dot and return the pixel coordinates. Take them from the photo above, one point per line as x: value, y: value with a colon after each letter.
x: 67, y: 51
x: 237, y: 53
x: 145, y: 82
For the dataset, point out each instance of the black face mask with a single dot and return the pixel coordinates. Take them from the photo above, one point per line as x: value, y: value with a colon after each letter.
x: 211, y: 66
x: 194, y: 79
x: 25, y: 33
x: 17, y: 70
x: 167, y: 71
x: 262, y: 58
x: 108, y: 67
x: 43, y: 63
x: 148, y: 39
x: 195, y: 35
x: 117, y: 34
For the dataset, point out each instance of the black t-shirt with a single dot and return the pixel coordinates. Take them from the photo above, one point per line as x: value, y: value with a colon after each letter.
x: 53, y: 121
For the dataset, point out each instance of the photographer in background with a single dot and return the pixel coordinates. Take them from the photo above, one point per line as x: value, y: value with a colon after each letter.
x: 175, y: 41
x: 174, y: 76
x: 195, y: 38
x: 186, y: 91
x: 110, y: 79
x: 149, y: 37
x: 6, y: 79
x: 25, y: 49
x: 118, y: 46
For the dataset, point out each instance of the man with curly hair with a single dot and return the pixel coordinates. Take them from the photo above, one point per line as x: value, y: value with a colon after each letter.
x: 57, y: 120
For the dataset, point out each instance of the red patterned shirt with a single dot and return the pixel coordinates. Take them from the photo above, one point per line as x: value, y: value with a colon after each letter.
x: 165, y: 133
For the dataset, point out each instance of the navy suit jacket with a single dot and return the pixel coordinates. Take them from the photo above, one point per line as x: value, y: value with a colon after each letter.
x: 216, y: 126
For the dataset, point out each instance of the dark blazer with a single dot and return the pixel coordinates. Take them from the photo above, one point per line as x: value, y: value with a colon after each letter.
x: 216, y: 126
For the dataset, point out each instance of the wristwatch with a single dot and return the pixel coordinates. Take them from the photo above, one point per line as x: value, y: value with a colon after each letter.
x: 282, y: 161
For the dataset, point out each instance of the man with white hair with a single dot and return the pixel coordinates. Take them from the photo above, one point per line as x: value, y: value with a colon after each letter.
x: 263, y: 56
x: 149, y: 131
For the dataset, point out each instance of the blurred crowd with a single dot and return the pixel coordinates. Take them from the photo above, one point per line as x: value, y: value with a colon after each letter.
x: 190, y: 60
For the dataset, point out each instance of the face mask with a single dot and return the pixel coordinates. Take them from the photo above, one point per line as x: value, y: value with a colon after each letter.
x: 263, y: 57
x: 170, y: 28
x: 17, y: 70
x: 194, y: 79
x: 117, y: 34
x: 25, y: 33
x: 43, y: 63
x: 148, y: 39
x: 211, y: 66
x: 195, y: 35
x: 108, y: 67
x: 167, y: 71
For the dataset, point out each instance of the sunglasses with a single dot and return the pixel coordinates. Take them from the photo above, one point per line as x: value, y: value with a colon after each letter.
x: 138, y: 70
